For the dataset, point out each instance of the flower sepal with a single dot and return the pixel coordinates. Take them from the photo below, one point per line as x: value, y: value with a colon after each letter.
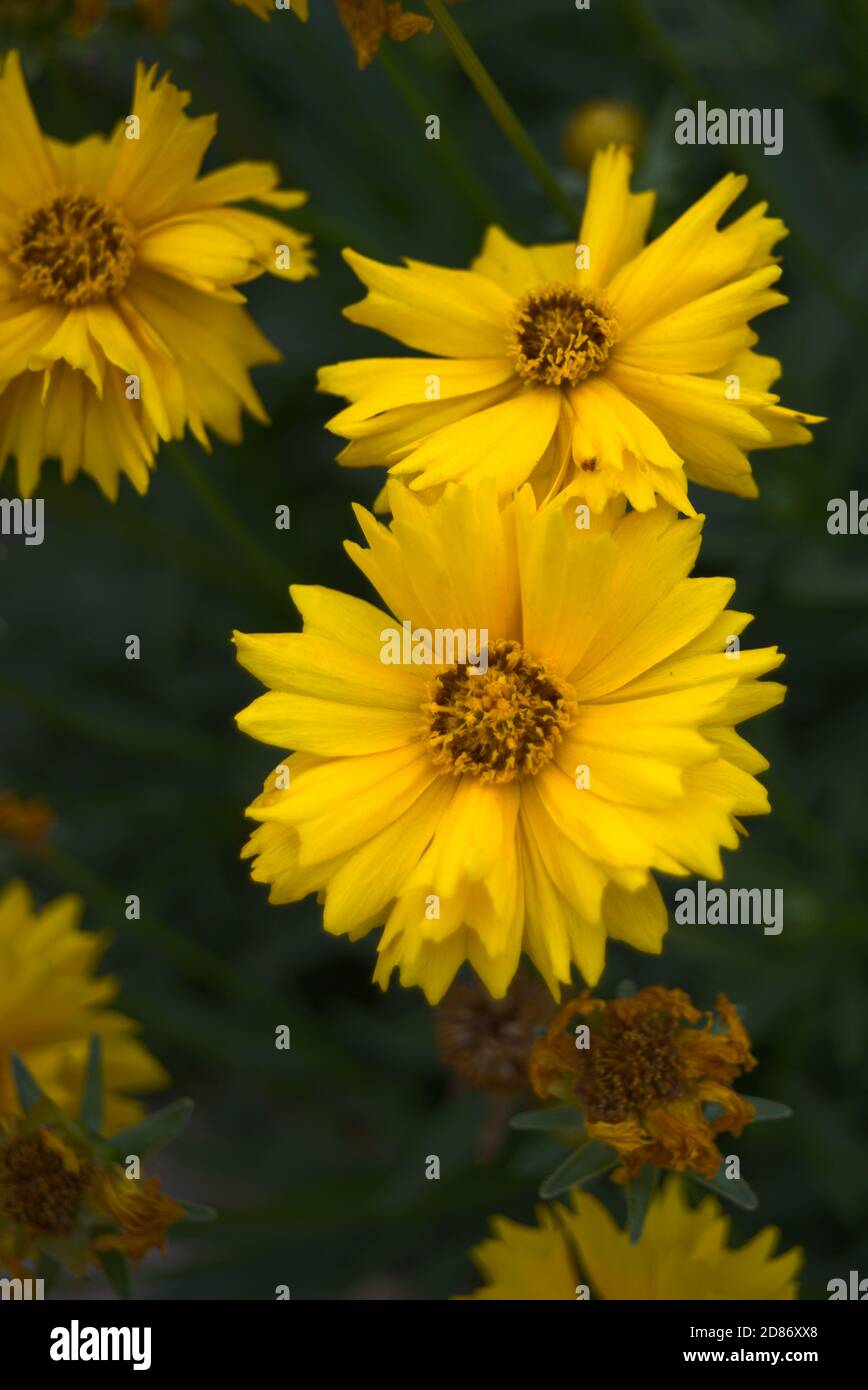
x: 586, y: 1162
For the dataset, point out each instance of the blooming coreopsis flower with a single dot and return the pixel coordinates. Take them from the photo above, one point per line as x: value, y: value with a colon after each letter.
x: 367, y: 22
x: 56, y: 1190
x: 646, y: 1075
x: 682, y: 1254
x: 562, y: 727
x: 120, y: 321
x: 51, y: 1002
x: 606, y: 367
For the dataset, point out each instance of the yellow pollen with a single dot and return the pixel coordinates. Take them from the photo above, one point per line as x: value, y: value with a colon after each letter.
x: 631, y: 1064
x: 36, y: 1187
x: 499, y: 724
x: 559, y: 335
x: 77, y: 249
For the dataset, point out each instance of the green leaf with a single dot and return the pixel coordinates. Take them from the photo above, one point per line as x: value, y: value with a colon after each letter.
x: 768, y: 1109
x: 735, y: 1190
x: 29, y: 1090
x: 639, y: 1191
x: 580, y: 1166
x: 555, y: 1117
x: 117, y: 1270
x: 196, y: 1212
x: 153, y: 1131
x: 91, y: 1112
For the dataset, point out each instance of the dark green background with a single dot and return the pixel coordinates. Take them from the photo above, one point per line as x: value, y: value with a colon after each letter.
x: 315, y: 1157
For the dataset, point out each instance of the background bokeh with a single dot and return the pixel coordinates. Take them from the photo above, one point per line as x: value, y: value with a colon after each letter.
x: 315, y: 1157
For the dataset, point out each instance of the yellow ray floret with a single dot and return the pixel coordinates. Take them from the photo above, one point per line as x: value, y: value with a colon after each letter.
x: 52, y: 1002
x: 605, y: 367
x: 518, y: 799
x: 120, y: 321
x: 683, y: 1253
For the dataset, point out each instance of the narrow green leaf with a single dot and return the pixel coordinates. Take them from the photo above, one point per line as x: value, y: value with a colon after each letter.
x: 639, y: 1192
x: 769, y: 1109
x: 153, y: 1131
x: 91, y: 1111
x: 580, y: 1166
x: 735, y: 1190
x: 117, y: 1270
x: 555, y: 1117
x: 29, y: 1090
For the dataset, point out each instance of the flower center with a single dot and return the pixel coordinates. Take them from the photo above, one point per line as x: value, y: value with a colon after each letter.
x: 560, y: 335
x: 76, y: 249
x: 36, y: 1187
x: 630, y: 1065
x: 499, y: 724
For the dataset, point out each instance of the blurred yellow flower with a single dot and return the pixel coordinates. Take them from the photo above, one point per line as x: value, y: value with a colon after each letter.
x: 606, y: 368
x: 547, y: 719
x: 682, y: 1254
x: 367, y: 22
x: 598, y: 123
x: 51, y: 1002
x: 647, y: 1074
x: 120, y: 323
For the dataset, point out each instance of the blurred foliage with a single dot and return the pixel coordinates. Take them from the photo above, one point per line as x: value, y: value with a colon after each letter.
x: 315, y: 1157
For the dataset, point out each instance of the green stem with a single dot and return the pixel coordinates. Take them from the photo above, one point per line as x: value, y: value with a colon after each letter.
x: 502, y: 111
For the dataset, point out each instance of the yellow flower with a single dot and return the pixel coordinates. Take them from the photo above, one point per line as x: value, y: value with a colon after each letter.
x: 51, y: 1002
x: 119, y: 321
x: 682, y: 1254
x: 366, y: 21
x: 607, y: 368
x: 646, y: 1075
x: 52, y: 1192
x: 524, y: 806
